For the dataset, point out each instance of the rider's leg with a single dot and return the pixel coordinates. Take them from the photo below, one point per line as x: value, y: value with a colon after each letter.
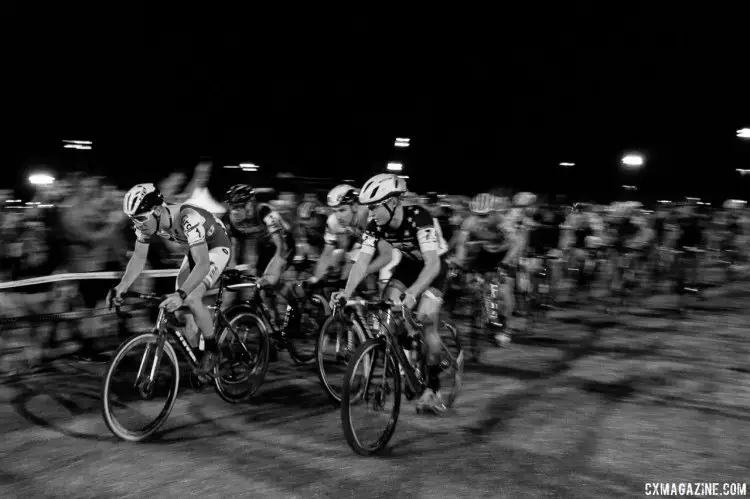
x: 191, y: 327
x: 219, y: 258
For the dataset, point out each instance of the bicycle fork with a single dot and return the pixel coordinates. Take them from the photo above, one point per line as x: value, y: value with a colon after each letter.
x: 147, y: 388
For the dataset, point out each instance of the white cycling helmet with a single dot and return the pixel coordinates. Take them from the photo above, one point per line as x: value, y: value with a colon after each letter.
x: 342, y: 194
x: 381, y: 187
x: 524, y: 199
x: 140, y: 199
x: 483, y: 204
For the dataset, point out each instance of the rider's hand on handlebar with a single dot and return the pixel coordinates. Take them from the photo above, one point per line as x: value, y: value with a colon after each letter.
x: 407, y: 300
x: 172, y: 303
x: 338, y: 298
x: 114, y: 298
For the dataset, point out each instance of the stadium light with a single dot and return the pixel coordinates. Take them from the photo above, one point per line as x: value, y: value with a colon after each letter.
x: 743, y: 133
x: 41, y: 179
x: 395, y: 167
x: 632, y: 160
x: 402, y: 142
x: 232, y: 166
x: 743, y: 172
x: 567, y: 164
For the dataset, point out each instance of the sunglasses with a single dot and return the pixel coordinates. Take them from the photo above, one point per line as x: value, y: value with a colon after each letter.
x: 375, y: 206
x: 142, y: 218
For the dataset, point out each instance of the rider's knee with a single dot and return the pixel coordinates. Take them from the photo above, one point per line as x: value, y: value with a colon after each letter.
x: 428, y: 312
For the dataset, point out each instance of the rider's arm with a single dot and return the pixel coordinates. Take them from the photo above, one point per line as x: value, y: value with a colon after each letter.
x: 359, y: 270
x: 135, y: 266
x: 516, y: 247
x: 461, y: 239
x: 199, y: 252
x: 385, y: 255
x: 324, y: 261
x: 427, y: 237
x: 331, y: 241
x: 193, y: 227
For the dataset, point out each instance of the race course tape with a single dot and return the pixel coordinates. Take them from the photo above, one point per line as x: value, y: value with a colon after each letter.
x: 80, y: 276
x: 93, y: 275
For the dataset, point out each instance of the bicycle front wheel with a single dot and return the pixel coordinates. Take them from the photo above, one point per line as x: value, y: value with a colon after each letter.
x: 140, y: 387
x: 372, y: 378
x: 337, y: 342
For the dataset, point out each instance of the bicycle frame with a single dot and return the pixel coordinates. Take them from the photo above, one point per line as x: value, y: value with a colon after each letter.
x: 164, y: 330
x: 388, y: 331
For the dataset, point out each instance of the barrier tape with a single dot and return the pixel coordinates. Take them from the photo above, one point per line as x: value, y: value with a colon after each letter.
x: 86, y: 275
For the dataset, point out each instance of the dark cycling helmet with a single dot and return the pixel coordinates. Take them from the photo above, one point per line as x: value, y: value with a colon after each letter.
x: 239, y: 194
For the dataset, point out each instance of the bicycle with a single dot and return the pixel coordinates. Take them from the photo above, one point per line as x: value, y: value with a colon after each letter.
x: 687, y: 274
x: 485, y: 306
x: 402, y: 356
x: 237, y: 376
x: 297, y: 333
x: 535, y: 290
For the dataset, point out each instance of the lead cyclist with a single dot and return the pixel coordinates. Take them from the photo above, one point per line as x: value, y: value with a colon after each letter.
x: 203, y: 238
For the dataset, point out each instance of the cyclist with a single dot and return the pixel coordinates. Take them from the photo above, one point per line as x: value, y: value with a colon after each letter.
x: 250, y: 222
x: 344, y: 229
x: 310, y: 229
x: 498, y: 246
x: 586, y: 235
x: 207, y: 246
x: 420, y: 273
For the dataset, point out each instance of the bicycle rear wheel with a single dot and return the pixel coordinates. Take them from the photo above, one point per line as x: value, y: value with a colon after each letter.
x: 135, y: 385
x: 371, y: 377
x: 244, y: 358
x: 451, y: 363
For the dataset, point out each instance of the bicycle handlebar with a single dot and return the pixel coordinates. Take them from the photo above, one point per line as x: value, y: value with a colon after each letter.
x: 406, y: 313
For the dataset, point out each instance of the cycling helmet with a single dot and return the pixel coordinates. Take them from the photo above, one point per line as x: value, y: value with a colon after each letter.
x: 381, y: 187
x: 141, y: 199
x: 306, y: 209
x: 239, y: 194
x: 341, y: 195
x: 483, y: 204
x: 524, y: 199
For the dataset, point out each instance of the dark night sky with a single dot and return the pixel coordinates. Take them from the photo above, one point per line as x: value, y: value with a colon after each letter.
x: 498, y: 97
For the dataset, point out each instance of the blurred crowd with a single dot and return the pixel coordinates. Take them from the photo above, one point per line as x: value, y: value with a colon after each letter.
x: 76, y: 225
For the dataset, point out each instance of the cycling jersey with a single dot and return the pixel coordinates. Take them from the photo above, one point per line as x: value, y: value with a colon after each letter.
x: 417, y: 233
x: 494, y: 236
x: 189, y: 226
x: 262, y: 227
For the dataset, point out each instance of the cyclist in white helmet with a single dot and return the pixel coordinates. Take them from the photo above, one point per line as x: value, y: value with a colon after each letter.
x: 498, y: 247
x: 343, y: 233
x: 419, y: 275
x: 206, y: 243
